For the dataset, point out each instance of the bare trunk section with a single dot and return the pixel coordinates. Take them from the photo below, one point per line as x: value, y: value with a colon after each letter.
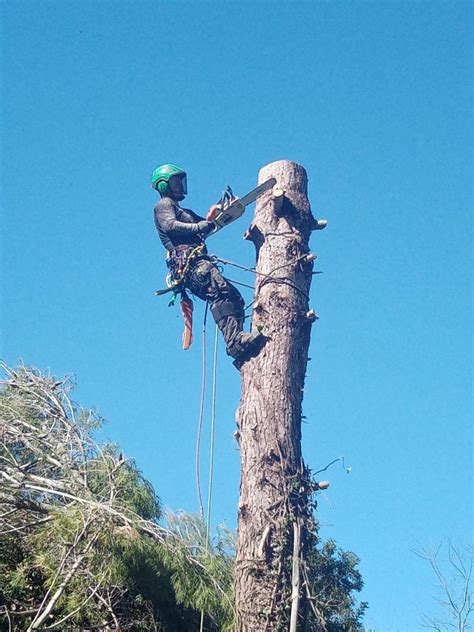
x: 274, y: 491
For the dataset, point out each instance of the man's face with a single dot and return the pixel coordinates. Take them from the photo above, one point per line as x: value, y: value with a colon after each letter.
x: 178, y: 186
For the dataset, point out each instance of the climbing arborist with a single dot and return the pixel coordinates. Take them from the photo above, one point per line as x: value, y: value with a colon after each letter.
x: 183, y: 234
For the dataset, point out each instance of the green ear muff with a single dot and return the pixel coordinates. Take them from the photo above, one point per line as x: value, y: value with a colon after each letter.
x: 162, y: 187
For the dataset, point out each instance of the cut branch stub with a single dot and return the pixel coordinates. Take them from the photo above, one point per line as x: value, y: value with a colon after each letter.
x: 278, y: 201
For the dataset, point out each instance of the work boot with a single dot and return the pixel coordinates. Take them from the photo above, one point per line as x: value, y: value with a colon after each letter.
x: 248, y: 346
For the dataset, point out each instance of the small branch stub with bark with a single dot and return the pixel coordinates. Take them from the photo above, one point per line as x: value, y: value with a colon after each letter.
x: 275, y: 515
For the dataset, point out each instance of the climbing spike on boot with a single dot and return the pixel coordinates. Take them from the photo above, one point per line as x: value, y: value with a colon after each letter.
x: 252, y: 347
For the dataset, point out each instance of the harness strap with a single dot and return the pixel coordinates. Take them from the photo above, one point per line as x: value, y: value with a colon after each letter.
x: 179, y: 260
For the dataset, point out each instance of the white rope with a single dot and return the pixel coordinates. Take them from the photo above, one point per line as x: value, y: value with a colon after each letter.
x: 201, y: 417
x: 213, y: 428
x: 211, y: 451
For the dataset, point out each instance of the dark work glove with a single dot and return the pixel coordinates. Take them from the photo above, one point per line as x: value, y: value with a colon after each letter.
x: 205, y: 227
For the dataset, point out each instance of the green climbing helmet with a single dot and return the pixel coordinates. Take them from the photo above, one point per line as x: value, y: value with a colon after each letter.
x: 162, y: 174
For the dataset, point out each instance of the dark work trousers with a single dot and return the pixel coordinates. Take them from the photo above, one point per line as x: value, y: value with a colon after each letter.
x: 225, y: 301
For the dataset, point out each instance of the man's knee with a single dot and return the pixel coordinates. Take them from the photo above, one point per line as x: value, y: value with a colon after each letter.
x: 224, y: 308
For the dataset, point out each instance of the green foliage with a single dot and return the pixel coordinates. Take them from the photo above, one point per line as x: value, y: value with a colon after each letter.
x: 333, y: 578
x: 208, y: 585
x: 131, y: 490
x: 82, y: 544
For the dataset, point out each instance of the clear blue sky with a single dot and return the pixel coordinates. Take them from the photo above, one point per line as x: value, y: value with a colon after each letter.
x: 374, y: 99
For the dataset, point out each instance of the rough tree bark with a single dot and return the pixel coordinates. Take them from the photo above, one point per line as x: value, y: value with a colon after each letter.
x: 274, y: 516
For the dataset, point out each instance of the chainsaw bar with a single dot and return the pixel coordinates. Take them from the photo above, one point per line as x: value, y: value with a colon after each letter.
x: 237, y: 207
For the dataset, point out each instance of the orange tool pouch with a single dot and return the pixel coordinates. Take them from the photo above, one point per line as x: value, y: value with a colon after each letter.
x: 187, y: 310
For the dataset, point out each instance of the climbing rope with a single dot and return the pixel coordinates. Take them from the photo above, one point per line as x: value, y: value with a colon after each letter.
x: 251, y: 287
x: 200, y: 424
x: 201, y: 415
x: 269, y: 276
x: 212, y: 438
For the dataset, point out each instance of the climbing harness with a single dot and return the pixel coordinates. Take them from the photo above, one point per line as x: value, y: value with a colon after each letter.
x: 179, y: 262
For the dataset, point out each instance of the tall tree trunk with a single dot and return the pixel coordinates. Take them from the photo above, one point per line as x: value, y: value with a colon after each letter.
x: 274, y: 516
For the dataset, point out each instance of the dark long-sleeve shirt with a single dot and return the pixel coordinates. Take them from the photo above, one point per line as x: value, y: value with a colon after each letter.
x: 176, y: 226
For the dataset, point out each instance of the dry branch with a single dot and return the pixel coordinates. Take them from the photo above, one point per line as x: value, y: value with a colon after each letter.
x: 57, y: 483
